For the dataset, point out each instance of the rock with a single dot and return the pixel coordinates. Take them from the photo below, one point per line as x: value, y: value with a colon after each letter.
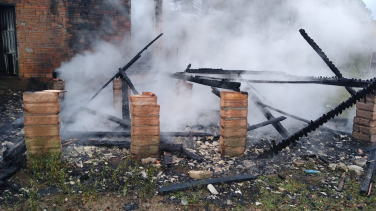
x: 240, y: 167
x: 360, y: 162
x: 355, y: 168
x: 299, y: 162
x: 228, y: 202
x: 343, y: 167
x: 281, y: 189
x: 212, y: 189
x: 248, y: 164
x: 200, y: 174
x: 184, y: 202
x: 332, y: 166
x: 230, y: 162
x: 238, y: 192
x: 148, y: 160
x: 131, y: 206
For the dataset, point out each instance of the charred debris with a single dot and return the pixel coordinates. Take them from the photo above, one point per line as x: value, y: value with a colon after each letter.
x: 14, y: 158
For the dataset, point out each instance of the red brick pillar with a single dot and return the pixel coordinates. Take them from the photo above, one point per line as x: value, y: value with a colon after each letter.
x: 233, y: 123
x: 364, y: 128
x: 117, y: 94
x: 42, y: 122
x: 145, y: 125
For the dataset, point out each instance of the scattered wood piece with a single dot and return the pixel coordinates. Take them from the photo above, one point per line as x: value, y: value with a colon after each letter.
x: 341, y: 183
x: 186, y: 186
x: 167, y: 159
x: 370, y: 175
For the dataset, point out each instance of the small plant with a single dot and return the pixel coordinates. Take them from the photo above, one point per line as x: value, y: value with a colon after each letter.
x: 33, y: 195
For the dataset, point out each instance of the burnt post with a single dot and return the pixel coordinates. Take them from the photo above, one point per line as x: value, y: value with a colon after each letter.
x: 233, y: 123
x: 125, y: 99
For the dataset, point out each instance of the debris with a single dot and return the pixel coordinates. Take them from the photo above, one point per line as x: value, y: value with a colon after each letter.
x: 185, y: 186
x: 148, y: 160
x: 184, y: 202
x: 167, y: 159
x: 311, y: 171
x: 299, y: 162
x: 332, y: 166
x: 355, y: 168
x: 212, y: 189
x: 360, y: 162
x: 291, y: 197
x: 258, y: 203
x: 228, y: 202
x: 262, y: 124
x: 281, y: 189
x: 360, y: 151
x: 131, y: 206
x: 282, y: 176
x: 200, y: 174
x: 343, y: 167
x: 366, y: 186
x: 341, y: 183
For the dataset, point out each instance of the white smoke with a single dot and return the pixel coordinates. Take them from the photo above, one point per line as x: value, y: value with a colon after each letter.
x: 237, y: 34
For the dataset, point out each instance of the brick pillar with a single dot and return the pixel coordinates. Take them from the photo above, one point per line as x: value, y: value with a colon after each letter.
x: 364, y: 128
x: 145, y: 126
x: 42, y: 122
x: 233, y: 123
x: 117, y: 94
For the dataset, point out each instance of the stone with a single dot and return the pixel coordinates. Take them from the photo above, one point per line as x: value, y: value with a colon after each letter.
x: 248, y: 164
x: 360, y: 162
x: 332, y: 166
x: 184, y: 202
x: 355, y: 168
x: 148, y: 160
x: 343, y: 167
x: 299, y: 162
x: 200, y: 174
x: 212, y: 189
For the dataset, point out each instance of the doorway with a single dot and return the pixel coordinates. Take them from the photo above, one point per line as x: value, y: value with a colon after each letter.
x: 8, y: 47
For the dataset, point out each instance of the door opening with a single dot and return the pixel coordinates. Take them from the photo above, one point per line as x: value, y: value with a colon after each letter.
x: 8, y: 47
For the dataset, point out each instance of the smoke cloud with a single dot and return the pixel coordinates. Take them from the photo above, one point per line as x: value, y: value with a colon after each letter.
x: 237, y: 34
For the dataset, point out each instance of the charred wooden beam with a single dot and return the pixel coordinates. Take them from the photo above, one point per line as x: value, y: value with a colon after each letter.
x: 128, y: 81
x: 323, y: 56
x: 284, y: 113
x: 122, y: 122
x: 213, y: 82
x: 216, y: 92
x: 337, y: 82
x: 230, y: 72
x: 262, y: 124
x: 80, y: 134
x: 125, y: 100
x: 197, y: 183
x: 129, y: 64
x: 277, y: 125
x: 370, y: 176
x: 14, y: 158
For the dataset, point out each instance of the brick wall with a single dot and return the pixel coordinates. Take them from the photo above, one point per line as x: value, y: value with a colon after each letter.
x: 52, y: 31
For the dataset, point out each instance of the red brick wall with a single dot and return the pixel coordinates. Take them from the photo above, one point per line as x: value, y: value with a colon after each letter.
x: 52, y: 31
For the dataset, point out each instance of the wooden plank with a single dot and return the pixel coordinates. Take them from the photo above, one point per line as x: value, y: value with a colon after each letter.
x: 188, y: 185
